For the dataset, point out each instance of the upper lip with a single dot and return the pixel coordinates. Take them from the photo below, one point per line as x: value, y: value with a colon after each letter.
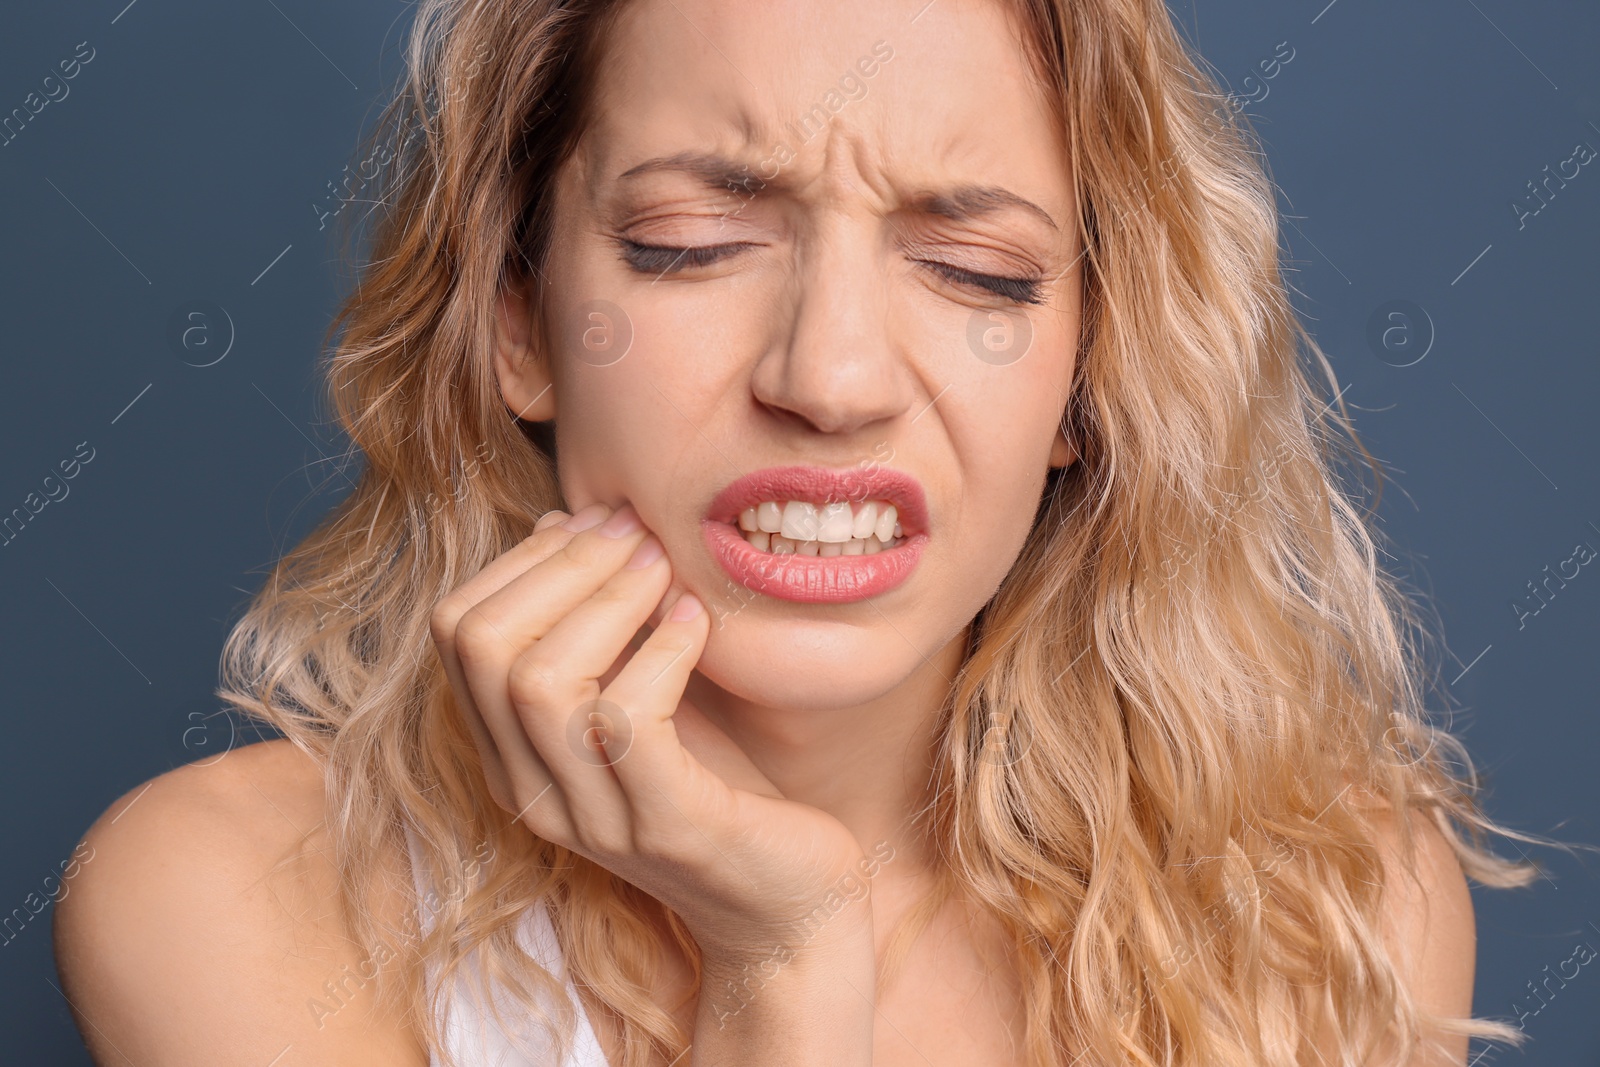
x: 827, y: 486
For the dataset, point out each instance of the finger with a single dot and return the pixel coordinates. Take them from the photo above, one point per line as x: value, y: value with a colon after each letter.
x: 458, y: 698
x: 493, y: 767
x: 519, y: 559
x: 530, y: 604
x: 498, y: 629
x: 513, y: 771
x: 556, y: 694
x: 512, y: 787
x: 493, y: 633
x: 646, y: 752
x: 587, y: 642
x: 670, y: 597
x: 529, y: 552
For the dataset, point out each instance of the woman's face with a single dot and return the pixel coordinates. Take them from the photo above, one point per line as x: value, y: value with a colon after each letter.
x: 891, y: 289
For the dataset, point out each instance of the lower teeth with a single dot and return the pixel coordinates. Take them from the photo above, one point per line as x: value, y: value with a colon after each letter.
x: 777, y: 545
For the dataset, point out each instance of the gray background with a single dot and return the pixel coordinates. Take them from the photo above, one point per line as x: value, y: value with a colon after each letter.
x: 187, y: 162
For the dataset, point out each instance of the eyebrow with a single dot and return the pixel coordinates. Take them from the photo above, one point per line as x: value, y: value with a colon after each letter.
x: 967, y: 201
x: 960, y: 203
x: 716, y: 171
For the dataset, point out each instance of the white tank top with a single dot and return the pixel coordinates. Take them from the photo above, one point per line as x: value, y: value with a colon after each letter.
x: 471, y: 1032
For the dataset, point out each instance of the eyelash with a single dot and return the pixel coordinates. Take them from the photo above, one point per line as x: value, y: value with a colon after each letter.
x: 1020, y: 290
x: 669, y: 259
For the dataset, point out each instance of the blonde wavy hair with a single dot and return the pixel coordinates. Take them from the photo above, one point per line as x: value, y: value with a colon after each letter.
x: 1154, y: 763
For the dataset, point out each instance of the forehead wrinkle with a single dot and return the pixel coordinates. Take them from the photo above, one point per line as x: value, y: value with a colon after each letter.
x: 844, y: 151
x: 754, y: 145
x: 848, y: 153
x: 849, y: 160
x: 728, y: 109
x: 850, y: 149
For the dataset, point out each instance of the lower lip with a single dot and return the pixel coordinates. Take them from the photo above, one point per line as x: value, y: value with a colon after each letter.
x: 811, y: 579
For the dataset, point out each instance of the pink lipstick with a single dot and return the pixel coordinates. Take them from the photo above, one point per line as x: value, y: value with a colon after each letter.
x: 810, y: 579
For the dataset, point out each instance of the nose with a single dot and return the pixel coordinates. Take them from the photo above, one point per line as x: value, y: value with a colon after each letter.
x: 834, y: 362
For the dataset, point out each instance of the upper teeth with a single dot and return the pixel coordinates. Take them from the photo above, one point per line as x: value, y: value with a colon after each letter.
x: 834, y: 523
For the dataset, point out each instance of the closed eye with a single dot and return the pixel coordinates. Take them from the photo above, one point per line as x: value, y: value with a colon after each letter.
x: 670, y: 259
x: 1021, y: 290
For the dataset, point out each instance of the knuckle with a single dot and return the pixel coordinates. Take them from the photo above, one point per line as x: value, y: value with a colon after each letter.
x: 660, y: 655
x: 477, y: 636
x: 541, y: 821
x: 598, y: 840
x: 655, y: 836
x: 530, y: 680
x: 501, y: 794
x: 620, y: 590
x: 581, y: 551
x: 672, y: 645
x: 533, y: 808
x: 443, y: 619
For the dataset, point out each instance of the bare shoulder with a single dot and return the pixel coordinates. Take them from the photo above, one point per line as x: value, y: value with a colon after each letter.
x: 199, y: 927
x: 1429, y: 902
x: 1428, y: 921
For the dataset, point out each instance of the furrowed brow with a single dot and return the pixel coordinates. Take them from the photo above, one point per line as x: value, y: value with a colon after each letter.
x: 970, y: 201
x: 960, y: 203
x: 713, y: 171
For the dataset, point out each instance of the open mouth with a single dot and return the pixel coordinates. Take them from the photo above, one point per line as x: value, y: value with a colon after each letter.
x: 838, y: 529
x: 814, y: 535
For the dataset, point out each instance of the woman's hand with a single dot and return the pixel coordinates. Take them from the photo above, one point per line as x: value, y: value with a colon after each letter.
x: 585, y: 747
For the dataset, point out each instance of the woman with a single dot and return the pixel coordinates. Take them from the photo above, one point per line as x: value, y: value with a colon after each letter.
x: 953, y: 647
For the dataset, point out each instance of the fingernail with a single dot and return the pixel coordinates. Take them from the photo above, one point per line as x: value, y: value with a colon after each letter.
x: 624, y: 522
x: 687, y: 607
x: 585, y: 519
x: 648, y: 552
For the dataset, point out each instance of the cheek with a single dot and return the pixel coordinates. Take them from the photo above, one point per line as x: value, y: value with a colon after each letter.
x: 1003, y: 434
x: 1011, y: 410
x: 1039, y: 385
x: 682, y: 333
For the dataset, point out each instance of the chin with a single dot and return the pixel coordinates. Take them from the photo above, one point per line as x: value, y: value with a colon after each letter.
x: 810, y: 666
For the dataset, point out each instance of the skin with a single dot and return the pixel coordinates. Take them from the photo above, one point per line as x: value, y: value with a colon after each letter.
x: 751, y: 782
